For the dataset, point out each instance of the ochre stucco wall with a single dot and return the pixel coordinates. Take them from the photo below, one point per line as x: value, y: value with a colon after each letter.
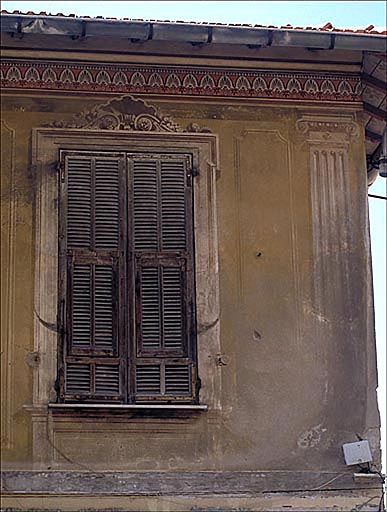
x: 296, y: 382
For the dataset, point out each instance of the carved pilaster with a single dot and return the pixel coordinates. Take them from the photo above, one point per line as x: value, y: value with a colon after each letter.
x: 45, y: 312
x: 8, y: 260
x: 329, y: 139
x: 332, y: 233
x: 340, y: 319
x: 42, y: 446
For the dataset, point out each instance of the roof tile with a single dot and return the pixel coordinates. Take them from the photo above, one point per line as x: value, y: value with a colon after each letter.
x: 328, y: 27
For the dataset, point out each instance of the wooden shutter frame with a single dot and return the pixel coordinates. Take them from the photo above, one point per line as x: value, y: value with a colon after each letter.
x: 150, y: 258
x: 117, y: 260
x: 92, y: 260
x: 190, y: 307
x: 180, y: 262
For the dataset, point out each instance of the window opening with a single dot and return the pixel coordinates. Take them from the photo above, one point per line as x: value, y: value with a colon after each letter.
x: 126, y: 278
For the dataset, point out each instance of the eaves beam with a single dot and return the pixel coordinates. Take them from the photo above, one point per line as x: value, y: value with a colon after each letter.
x: 374, y: 82
x: 376, y: 112
x: 372, y: 135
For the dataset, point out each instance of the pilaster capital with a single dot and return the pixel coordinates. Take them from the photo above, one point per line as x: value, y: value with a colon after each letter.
x: 36, y: 410
x: 327, y: 128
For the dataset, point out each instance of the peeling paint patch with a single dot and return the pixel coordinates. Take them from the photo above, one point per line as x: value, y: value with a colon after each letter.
x: 222, y: 359
x: 33, y: 359
x: 219, y: 509
x: 311, y: 311
x: 257, y: 336
x: 39, y: 26
x: 312, y: 437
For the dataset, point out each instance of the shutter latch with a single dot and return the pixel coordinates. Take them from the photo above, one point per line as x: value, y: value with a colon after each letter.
x: 192, y: 173
x: 61, y: 318
x: 61, y: 169
x: 59, y: 385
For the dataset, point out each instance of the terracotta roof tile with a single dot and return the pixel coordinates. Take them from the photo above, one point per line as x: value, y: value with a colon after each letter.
x: 328, y: 27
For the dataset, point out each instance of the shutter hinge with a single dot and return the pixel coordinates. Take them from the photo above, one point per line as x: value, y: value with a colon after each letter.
x: 61, y: 318
x: 198, y: 385
x: 60, y: 384
x: 61, y: 169
x: 194, y: 172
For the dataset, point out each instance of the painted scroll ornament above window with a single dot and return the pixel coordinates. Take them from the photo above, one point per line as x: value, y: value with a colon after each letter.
x: 126, y: 113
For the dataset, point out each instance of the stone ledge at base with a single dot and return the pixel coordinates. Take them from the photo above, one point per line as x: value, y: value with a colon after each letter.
x: 205, y: 491
x: 325, y: 501
x: 167, y: 482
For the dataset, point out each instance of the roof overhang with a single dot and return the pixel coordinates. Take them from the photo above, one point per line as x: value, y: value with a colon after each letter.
x: 374, y: 80
x: 133, y: 30
x: 372, y: 45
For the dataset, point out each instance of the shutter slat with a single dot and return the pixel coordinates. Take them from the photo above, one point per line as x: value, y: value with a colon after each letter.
x: 145, y: 205
x: 173, y: 205
x: 107, y: 203
x: 148, y: 379
x: 78, y: 378
x: 177, y: 380
x: 78, y: 202
x: 103, y: 308
x: 81, y: 306
x: 150, y: 308
x: 107, y: 379
x: 173, y: 308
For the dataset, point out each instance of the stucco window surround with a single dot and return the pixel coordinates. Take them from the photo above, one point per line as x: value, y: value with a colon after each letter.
x: 46, y: 145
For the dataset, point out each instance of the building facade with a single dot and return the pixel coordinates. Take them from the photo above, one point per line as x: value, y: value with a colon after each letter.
x: 187, y: 298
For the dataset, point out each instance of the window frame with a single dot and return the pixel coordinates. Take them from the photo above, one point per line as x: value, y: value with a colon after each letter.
x: 127, y: 265
x: 47, y: 143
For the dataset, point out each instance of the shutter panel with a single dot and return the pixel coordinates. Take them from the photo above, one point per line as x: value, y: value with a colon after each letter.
x: 79, y: 188
x: 173, y: 204
x: 107, y: 379
x: 104, y: 302
x: 161, y: 198
x: 162, y: 292
x: 92, y: 304
x: 165, y: 381
x: 173, y: 304
x: 107, y: 203
x: 177, y: 379
x: 93, y: 207
x: 150, y: 308
x: 81, y: 306
x: 148, y: 379
x: 78, y: 378
x: 145, y: 205
x: 162, y: 312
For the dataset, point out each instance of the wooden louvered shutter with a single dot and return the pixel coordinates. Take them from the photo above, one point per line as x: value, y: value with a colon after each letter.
x: 93, y: 249
x: 162, y: 253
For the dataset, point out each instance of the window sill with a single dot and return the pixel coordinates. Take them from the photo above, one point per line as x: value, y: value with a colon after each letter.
x: 129, y: 407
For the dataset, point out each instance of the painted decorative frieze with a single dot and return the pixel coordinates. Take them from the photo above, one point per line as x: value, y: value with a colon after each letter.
x: 220, y: 82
